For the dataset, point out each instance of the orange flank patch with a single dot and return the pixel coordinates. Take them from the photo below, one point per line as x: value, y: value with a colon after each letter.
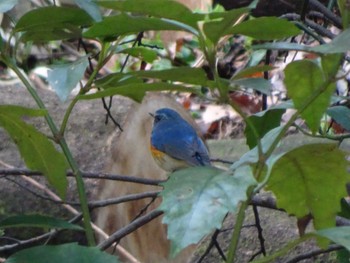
x: 156, y: 153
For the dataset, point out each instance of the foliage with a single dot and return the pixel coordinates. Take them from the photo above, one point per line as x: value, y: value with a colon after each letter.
x: 307, y: 180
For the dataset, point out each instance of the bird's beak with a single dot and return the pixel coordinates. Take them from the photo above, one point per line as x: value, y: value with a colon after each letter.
x: 151, y: 114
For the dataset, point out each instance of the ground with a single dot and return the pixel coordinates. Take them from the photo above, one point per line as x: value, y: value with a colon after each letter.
x: 87, y: 136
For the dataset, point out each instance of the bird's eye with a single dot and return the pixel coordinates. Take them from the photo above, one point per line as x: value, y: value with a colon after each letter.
x: 157, y: 118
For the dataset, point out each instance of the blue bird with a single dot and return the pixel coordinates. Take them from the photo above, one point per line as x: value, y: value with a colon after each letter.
x: 175, y: 143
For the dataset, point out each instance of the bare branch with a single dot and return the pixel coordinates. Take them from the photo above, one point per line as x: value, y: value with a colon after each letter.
x: 91, y: 175
x: 314, y: 253
x: 129, y: 228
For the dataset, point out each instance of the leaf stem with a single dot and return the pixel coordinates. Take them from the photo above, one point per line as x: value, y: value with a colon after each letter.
x: 63, y: 144
x: 237, y: 232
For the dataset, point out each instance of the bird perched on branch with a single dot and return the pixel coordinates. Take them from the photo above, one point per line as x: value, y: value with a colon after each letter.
x: 175, y: 143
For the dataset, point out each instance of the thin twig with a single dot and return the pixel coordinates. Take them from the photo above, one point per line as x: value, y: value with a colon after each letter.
x: 328, y: 13
x: 260, y: 233
x: 129, y: 228
x: 314, y: 253
x: 91, y: 175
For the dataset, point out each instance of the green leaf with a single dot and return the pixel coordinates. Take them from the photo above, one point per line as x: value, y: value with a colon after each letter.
x: 311, y: 179
x: 122, y: 24
x: 142, y: 53
x: 252, y: 156
x: 67, y: 253
x: 303, y: 80
x: 91, y: 8
x: 136, y: 91
x: 247, y: 72
x: 263, y: 123
x: 266, y: 28
x: 196, y: 200
x: 22, y: 111
x: 220, y: 23
x: 345, y: 12
x: 338, y: 45
x: 52, y: 23
x: 37, y: 221
x: 339, y: 235
x: 259, y: 84
x: 63, y: 78
x: 36, y: 149
x: 6, y: 5
x: 188, y: 75
x: 341, y: 115
x: 157, y: 8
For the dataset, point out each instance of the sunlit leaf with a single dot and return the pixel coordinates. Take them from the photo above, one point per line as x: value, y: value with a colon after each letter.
x: 219, y: 26
x: 36, y: 149
x: 67, y: 253
x: 338, y: 45
x: 52, y: 23
x: 157, y: 8
x: 63, y: 78
x: 339, y: 235
x: 258, y: 84
x: 195, y: 76
x: 137, y: 91
x: 196, y: 200
x: 266, y: 28
x: 122, y: 24
x: 303, y: 79
x: 91, y: 8
x: 248, y: 72
x: 145, y: 54
x: 311, y: 179
x: 263, y: 123
x: 37, y: 221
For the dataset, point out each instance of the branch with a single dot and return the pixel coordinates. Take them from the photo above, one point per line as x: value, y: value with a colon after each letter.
x: 129, y: 228
x: 328, y: 13
x: 123, y: 178
x: 314, y: 253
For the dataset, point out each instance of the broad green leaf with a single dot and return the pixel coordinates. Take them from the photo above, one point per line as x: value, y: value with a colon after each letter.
x: 195, y: 76
x: 263, y: 123
x: 63, y: 78
x: 219, y: 26
x: 252, y: 156
x: 52, y: 23
x: 36, y: 149
x: 157, y: 8
x: 37, y: 221
x: 22, y: 111
x: 196, y: 200
x: 266, y: 28
x: 258, y: 84
x: 338, y: 45
x: 142, y: 53
x: 339, y: 235
x: 341, y: 115
x: 67, y: 253
x: 6, y: 5
x: 247, y: 72
x: 122, y: 24
x: 136, y: 91
x: 343, y: 6
x: 303, y: 80
x: 91, y: 8
x: 311, y: 179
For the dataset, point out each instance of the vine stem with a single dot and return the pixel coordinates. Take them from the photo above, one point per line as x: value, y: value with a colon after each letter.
x: 63, y: 144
